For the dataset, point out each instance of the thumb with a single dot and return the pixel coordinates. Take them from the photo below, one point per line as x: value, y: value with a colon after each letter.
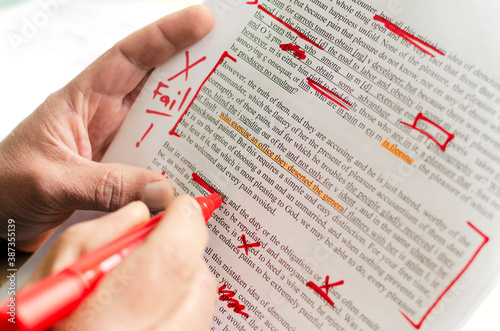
x: 110, y: 186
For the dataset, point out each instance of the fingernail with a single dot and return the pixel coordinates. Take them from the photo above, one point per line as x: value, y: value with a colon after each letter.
x: 156, y: 195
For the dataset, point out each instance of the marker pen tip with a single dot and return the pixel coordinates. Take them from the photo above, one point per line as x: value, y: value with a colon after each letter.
x: 209, y: 204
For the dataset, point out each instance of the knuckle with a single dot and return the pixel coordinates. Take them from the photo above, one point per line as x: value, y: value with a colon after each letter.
x: 110, y: 194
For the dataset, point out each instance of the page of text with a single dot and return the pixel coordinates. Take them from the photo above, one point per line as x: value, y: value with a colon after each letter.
x: 356, y: 144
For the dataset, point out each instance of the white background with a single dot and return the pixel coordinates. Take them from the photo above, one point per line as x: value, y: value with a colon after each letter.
x: 45, y: 43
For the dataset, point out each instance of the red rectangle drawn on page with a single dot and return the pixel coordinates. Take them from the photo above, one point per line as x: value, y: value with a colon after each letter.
x: 328, y: 93
x: 224, y: 55
x: 417, y: 42
x: 297, y: 32
x: 418, y: 325
x: 421, y: 117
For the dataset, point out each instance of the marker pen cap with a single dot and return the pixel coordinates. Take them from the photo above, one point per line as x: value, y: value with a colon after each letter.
x: 36, y: 307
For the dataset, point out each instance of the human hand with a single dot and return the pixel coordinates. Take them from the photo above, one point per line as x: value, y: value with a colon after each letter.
x: 163, y: 284
x: 49, y: 163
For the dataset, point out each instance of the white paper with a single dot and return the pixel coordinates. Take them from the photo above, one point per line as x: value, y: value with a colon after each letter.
x: 414, y: 243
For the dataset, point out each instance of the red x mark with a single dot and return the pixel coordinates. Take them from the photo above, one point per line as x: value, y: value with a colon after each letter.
x: 188, y: 66
x: 324, y: 295
x: 247, y: 246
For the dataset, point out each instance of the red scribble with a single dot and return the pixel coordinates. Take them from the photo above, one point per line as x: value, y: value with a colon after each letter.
x: 421, y: 117
x: 247, y: 246
x: 297, y: 52
x: 154, y: 112
x: 188, y: 67
x: 226, y: 295
x: 166, y: 100
x: 324, y: 295
x: 300, y: 34
x: 409, y: 37
x: 224, y: 55
x: 485, y: 240
x: 253, y: 3
x: 197, y: 179
x: 157, y: 91
x: 144, y: 136
x: 328, y: 93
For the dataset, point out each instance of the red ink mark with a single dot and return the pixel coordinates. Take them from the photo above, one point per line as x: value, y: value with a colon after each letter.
x: 247, y: 246
x: 324, y: 295
x: 300, y: 34
x: 485, y: 240
x: 188, y: 67
x: 253, y: 3
x: 163, y: 173
x: 328, y: 93
x: 144, y: 136
x: 157, y: 91
x: 226, y: 295
x: 166, y: 100
x: 197, y: 179
x: 297, y: 52
x: 149, y: 111
x: 407, y: 36
x: 421, y: 117
x: 224, y: 55
x: 184, y: 99
x: 173, y: 103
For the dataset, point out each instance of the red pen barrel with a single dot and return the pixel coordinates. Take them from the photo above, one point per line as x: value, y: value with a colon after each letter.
x: 47, y: 302
x: 54, y: 298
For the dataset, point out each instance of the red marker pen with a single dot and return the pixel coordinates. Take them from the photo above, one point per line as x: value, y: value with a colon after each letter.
x: 55, y: 297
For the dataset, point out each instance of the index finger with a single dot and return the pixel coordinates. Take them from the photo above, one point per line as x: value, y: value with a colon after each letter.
x: 121, y: 69
x: 159, y: 275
